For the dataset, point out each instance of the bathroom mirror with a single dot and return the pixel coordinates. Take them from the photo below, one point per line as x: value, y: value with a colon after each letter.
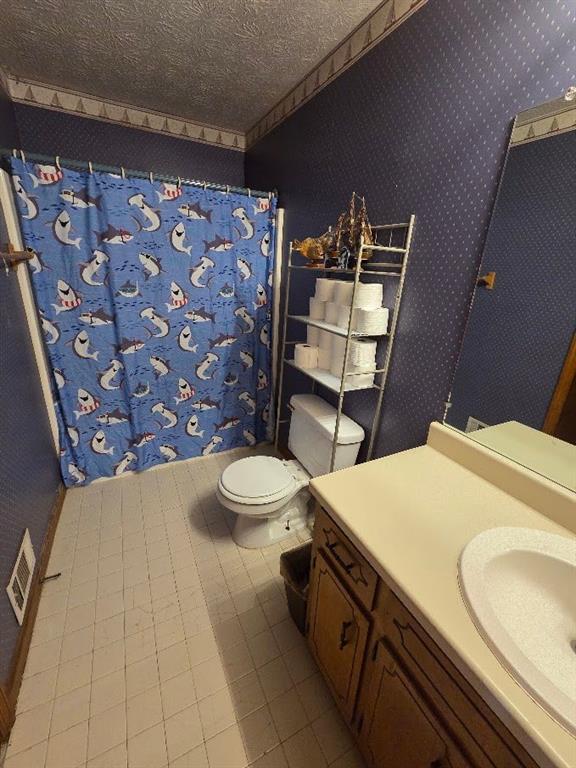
x: 518, y: 357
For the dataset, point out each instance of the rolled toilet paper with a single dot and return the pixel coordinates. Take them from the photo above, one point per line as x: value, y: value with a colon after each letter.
x: 324, y: 289
x: 368, y: 295
x: 337, y: 366
x: 312, y: 335
x: 317, y: 309
x: 371, y: 320
x: 343, y: 292
x: 324, y: 358
x: 343, y: 315
x: 338, y: 346
x: 325, y: 340
x: 362, y: 352
x: 332, y: 310
x: 306, y: 356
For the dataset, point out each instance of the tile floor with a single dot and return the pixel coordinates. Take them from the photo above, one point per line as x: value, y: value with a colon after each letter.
x: 164, y: 645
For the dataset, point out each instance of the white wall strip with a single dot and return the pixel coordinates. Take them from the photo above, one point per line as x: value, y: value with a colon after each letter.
x: 13, y: 228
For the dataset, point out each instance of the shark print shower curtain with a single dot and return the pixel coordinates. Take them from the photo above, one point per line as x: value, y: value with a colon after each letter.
x: 154, y: 300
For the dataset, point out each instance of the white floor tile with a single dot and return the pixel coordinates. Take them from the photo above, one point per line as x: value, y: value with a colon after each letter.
x: 165, y: 645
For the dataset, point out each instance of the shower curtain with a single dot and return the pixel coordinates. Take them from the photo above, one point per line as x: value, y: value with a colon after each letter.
x: 154, y: 300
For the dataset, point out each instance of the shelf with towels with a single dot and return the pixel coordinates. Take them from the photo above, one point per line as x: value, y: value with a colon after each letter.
x: 331, y: 328
x: 332, y: 382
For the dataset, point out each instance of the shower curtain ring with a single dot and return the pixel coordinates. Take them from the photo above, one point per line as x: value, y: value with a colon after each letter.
x: 249, y: 192
x: 91, y: 170
x: 15, y: 152
x: 57, y: 162
x: 122, y: 172
x: 151, y: 177
x: 204, y: 185
x: 179, y: 182
x: 227, y: 189
x: 22, y: 155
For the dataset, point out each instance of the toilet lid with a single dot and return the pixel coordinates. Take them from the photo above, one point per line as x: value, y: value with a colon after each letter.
x: 256, y: 477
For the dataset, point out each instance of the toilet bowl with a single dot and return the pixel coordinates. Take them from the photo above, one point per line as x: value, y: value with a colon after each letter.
x: 269, y: 495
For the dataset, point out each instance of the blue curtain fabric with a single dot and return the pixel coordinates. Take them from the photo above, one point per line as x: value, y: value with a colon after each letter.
x: 155, y: 304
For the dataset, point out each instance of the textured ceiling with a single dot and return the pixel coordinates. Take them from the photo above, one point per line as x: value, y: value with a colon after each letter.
x: 221, y: 62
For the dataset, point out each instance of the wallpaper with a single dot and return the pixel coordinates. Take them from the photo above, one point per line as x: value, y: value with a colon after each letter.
x: 29, y: 471
x: 519, y: 333
x: 420, y: 125
x: 81, y: 138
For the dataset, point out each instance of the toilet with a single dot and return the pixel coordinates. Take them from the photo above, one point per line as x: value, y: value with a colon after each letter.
x: 269, y: 495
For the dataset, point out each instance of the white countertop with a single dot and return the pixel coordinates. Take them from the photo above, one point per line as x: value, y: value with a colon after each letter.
x: 411, y: 514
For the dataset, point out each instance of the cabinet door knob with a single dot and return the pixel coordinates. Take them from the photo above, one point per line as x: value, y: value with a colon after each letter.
x: 343, y: 639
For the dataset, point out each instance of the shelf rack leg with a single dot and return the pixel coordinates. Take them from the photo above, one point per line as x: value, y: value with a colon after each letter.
x: 283, y: 348
x: 384, y: 375
x: 346, y: 351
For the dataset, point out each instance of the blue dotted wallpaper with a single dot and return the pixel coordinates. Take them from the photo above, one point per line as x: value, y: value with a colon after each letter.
x: 421, y: 125
x: 80, y: 138
x: 519, y: 333
x: 29, y: 470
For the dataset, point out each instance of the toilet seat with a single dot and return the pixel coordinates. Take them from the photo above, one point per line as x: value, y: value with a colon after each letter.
x: 256, y: 480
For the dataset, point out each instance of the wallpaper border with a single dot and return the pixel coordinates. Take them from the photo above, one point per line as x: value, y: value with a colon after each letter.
x: 76, y: 103
x: 380, y: 23
x: 544, y: 121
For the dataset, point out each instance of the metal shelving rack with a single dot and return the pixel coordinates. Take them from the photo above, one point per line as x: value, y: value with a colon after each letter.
x: 382, y: 269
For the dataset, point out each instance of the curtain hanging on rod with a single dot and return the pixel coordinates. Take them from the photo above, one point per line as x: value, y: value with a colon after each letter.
x: 51, y: 162
x: 154, y: 299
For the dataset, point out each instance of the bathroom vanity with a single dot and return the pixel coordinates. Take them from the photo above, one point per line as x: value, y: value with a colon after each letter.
x: 408, y: 669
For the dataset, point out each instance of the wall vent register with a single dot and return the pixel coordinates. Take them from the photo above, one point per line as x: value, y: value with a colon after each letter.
x: 18, y: 588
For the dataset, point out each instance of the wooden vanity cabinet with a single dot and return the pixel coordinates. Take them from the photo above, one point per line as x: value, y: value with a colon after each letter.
x: 404, y: 701
x: 337, y: 633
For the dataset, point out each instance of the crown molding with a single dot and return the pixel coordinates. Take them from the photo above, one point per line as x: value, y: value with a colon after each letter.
x: 381, y: 22
x: 73, y: 102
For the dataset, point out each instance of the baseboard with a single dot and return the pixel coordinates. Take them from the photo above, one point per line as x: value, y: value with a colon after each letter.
x: 9, y: 694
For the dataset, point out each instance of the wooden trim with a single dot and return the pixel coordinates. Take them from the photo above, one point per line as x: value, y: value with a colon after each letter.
x: 9, y: 694
x: 562, y: 389
x: 6, y: 715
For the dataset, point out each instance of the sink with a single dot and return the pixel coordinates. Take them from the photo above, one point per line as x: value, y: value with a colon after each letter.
x: 519, y: 586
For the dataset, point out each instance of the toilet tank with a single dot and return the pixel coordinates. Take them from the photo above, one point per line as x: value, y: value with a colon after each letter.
x: 312, y: 426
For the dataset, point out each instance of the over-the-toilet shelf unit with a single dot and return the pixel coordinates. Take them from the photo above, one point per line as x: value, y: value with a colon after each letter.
x: 395, y: 270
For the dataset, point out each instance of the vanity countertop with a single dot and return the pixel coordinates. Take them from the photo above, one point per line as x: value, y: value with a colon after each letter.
x: 411, y: 514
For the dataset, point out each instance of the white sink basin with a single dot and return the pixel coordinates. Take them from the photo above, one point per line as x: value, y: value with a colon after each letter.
x: 520, y: 588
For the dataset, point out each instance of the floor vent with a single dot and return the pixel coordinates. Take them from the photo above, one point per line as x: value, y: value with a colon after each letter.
x: 21, y: 580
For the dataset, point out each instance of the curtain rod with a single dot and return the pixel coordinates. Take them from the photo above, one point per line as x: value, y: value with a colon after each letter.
x: 88, y: 166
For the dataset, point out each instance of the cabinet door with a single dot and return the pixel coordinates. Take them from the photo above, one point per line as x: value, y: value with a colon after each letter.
x: 337, y: 633
x: 396, y: 726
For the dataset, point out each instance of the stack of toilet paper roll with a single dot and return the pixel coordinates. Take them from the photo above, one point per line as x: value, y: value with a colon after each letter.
x: 361, y: 360
x: 368, y: 321
x: 306, y: 356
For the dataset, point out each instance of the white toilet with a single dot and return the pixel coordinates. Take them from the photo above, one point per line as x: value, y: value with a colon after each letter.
x: 269, y: 495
